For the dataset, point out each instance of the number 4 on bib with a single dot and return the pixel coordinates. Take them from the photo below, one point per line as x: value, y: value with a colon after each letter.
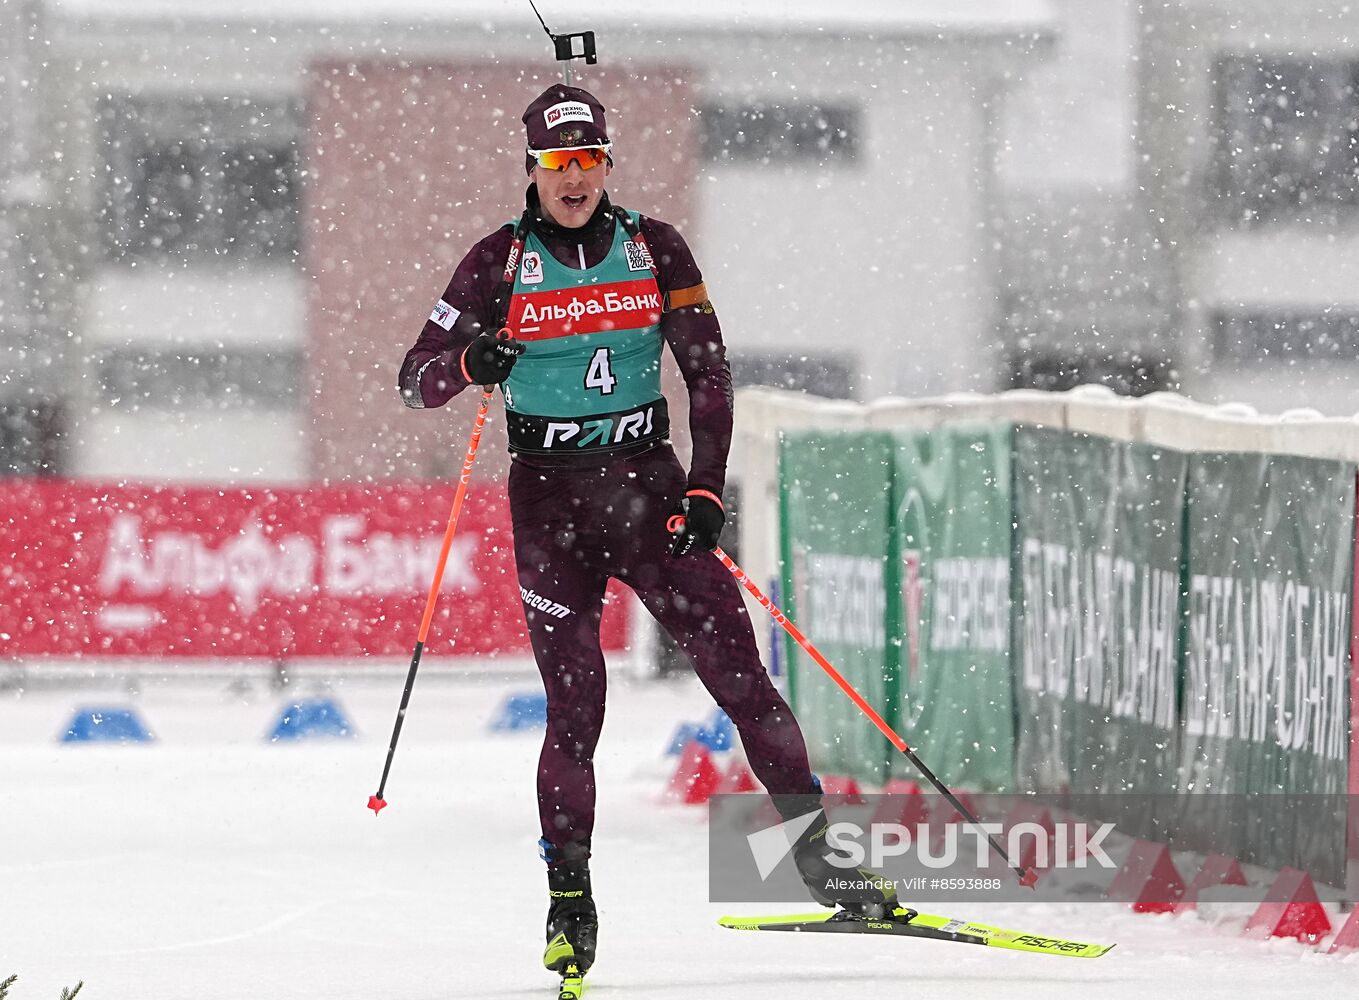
x: 597, y: 375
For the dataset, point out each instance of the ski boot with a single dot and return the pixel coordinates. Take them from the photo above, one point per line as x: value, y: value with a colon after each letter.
x: 860, y: 892
x: 572, y: 925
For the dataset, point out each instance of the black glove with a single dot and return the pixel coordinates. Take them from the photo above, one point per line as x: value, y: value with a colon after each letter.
x: 488, y: 359
x: 703, y: 519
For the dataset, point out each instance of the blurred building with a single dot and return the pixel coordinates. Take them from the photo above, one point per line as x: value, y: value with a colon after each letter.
x: 1091, y: 291
x: 1250, y: 122
x: 1180, y: 189
x: 223, y: 224
x: 33, y: 348
x: 248, y: 209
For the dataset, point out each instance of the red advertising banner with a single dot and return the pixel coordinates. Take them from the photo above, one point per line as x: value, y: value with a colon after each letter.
x: 238, y: 572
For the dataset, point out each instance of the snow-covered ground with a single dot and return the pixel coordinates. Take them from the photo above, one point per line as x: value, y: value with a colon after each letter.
x: 212, y: 864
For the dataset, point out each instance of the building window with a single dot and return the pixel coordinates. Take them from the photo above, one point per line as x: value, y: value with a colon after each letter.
x: 1131, y: 373
x: 176, y: 379
x: 201, y: 178
x: 1288, y: 139
x: 30, y: 439
x: 1285, y: 335
x: 820, y: 376
x: 812, y: 134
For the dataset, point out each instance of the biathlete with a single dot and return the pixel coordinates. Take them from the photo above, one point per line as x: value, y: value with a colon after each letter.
x: 589, y: 293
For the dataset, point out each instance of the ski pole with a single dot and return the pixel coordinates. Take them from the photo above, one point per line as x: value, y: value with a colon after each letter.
x: 377, y: 802
x: 1027, y: 876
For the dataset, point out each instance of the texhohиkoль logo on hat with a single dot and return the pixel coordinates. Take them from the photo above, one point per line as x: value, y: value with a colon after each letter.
x: 567, y: 111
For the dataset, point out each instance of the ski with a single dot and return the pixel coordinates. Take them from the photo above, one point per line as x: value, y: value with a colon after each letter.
x: 908, y: 923
x: 573, y: 983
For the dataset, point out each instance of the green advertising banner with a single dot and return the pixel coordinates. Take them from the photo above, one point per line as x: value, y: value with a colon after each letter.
x: 1097, y: 612
x: 1266, y: 698
x: 835, y: 493
x: 1048, y: 611
x: 949, y: 613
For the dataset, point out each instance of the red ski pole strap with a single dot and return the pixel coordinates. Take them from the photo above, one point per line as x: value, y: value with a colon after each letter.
x: 709, y: 494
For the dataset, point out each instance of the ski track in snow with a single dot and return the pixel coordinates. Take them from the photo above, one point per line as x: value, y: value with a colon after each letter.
x: 217, y: 865
x: 280, y: 921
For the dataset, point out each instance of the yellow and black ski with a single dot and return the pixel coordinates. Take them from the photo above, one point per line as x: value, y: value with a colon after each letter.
x: 573, y: 983
x: 904, y: 922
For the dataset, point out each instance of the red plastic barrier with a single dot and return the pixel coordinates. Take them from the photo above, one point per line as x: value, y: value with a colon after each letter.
x: 1040, y: 816
x: 944, y: 814
x: 696, y: 776
x: 1217, y: 869
x: 1348, y: 938
x: 1149, y: 877
x: 902, y: 803
x: 901, y: 786
x: 844, y: 788
x: 738, y: 779
x: 1291, y: 909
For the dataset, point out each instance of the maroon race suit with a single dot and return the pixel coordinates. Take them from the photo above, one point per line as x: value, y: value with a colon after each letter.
x: 580, y: 519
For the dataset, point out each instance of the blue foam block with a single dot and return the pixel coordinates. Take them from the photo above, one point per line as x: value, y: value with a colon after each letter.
x: 717, y: 734
x: 312, y: 718
x: 687, y: 731
x: 521, y: 711
x: 106, y: 725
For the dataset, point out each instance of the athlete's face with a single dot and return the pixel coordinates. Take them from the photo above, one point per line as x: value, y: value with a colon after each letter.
x: 569, y: 197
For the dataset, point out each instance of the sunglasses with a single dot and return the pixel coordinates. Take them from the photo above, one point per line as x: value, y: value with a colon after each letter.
x: 588, y: 157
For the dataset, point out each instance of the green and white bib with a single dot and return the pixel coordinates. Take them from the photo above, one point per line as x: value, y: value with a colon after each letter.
x: 589, y: 379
